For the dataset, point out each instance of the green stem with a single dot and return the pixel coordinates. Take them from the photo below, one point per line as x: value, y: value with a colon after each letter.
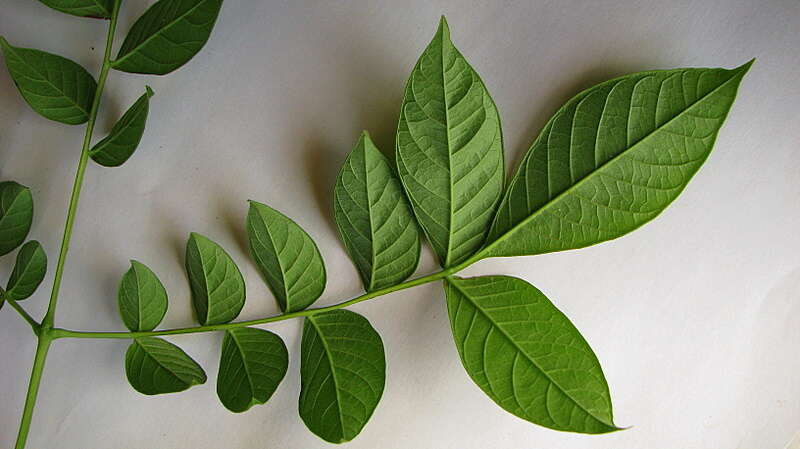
x: 25, y: 315
x: 45, y: 332
x: 66, y: 333
x: 49, y: 317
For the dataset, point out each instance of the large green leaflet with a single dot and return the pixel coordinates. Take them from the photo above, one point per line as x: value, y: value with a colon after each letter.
x: 342, y: 374
x: 286, y: 256
x: 16, y: 215
x: 29, y: 270
x: 218, y: 290
x: 612, y: 158
x: 156, y: 366
x: 100, y: 9
x: 167, y: 36
x: 54, y: 86
x: 142, y: 298
x: 252, y: 365
x: 374, y: 218
x: 125, y: 136
x: 526, y: 355
x: 450, y: 150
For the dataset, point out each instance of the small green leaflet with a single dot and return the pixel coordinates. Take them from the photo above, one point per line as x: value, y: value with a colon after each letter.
x: 450, y: 150
x: 28, y: 273
x: 53, y: 86
x: 120, y: 144
x: 286, y: 256
x: 374, y: 218
x: 217, y: 285
x: 16, y: 215
x: 156, y: 366
x: 526, y: 355
x: 167, y: 36
x: 612, y: 158
x: 252, y: 365
x: 342, y: 374
x: 100, y: 9
x: 142, y: 298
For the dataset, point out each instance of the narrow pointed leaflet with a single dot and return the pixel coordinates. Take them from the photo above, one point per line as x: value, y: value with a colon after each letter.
x: 53, y: 86
x: 218, y: 290
x: 612, y: 158
x: 342, y: 374
x: 100, y: 9
x: 156, y: 366
x: 374, y: 218
x: 142, y: 298
x: 526, y: 355
x: 125, y: 136
x: 28, y: 273
x: 450, y: 150
x: 16, y: 215
x: 252, y: 365
x: 286, y: 256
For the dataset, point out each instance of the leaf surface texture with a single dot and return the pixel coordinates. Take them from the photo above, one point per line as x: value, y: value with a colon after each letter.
x: 156, y: 366
x: 218, y: 289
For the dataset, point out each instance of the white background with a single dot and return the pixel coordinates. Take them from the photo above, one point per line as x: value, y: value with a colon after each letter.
x: 694, y: 317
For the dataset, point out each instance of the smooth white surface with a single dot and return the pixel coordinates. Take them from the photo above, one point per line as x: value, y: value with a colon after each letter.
x: 693, y: 317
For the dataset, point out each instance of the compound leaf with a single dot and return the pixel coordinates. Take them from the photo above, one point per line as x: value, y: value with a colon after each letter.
x: 142, y: 298
x: 286, y: 256
x: 374, y: 218
x: 342, y: 374
x: 612, y: 158
x: 125, y: 136
x: 526, y: 355
x: 28, y: 273
x: 450, y: 150
x: 156, y: 366
x: 252, y: 365
x: 100, y: 9
x: 167, y: 36
x: 218, y: 290
x: 54, y: 86
x: 16, y: 215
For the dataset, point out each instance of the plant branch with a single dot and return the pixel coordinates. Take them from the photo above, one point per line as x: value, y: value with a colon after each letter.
x: 66, y: 333
x: 49, y: 318
x: 35, y: 325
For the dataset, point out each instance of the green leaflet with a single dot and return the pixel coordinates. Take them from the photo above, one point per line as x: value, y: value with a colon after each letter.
x: 142, y: 298
x: 450, y: 150
x: 125, y: 136
x: 252, y: 365
x: 217, y: 285
x: 526, y: 355
x: 342, y: 374
x: 156, y: 366
x: 53, y: 86
x: 612, y: 158
x: 16, y: 215
x: 286, y: 256
x: 28, y: 273
x: 100, y: 9
x: 167, y: 36
x: 374, y: 218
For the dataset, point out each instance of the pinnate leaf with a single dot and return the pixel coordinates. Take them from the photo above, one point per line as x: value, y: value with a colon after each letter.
x: 28, y: 273
x: 55, y: 87
x: 374, y: 218
x: 252, y: 365
x: 342, y: 374
x: 526, y: 355
x: 217, y: 285
x: 450, y: 150
x: 100, y: 9
x: 286, y: 256
x: 612, y: 158
x: 142, y: 298
x: 156, y: 366
x: 167, y: 36
x: 125, y: 136
x: 16, y: 215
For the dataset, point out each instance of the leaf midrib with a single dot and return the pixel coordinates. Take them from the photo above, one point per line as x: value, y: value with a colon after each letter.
x: 502, y: 238
x: 333, y: 373
x: 454, y: 283
x: 253, y: 398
